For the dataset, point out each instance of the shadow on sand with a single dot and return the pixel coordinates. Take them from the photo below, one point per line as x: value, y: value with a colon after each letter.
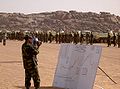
x: 10, y: 62
x: 42, y: 87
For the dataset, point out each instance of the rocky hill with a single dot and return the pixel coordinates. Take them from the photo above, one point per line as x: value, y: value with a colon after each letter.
x: 60, y: 20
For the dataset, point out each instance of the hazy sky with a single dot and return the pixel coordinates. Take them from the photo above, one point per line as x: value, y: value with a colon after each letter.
x: 37, y: 6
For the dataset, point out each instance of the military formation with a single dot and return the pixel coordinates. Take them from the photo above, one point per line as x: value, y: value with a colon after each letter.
x: 113, y: 39
x: 64, y: 37
x: 58, y: 37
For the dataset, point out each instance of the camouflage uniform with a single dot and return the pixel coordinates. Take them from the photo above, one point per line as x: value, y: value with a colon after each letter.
x: 114, y: 39
x: 91, y: 39
x: 109, y: 40
x: 87, y: 38
x: 81, y: 38
x: 118, y: 40
x: 29, y: 53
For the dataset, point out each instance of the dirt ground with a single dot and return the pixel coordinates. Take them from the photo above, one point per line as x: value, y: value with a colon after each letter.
x: 12, y: 72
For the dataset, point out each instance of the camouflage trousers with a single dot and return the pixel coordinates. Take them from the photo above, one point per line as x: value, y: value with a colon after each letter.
x: 32, y: 73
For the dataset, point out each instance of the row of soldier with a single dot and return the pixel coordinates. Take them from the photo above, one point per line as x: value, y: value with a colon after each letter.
x: 115, y: 39
x: 58, y: 37
x: 72, y: 37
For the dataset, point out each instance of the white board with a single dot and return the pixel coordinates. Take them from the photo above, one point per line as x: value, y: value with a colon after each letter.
x: 77, y: 66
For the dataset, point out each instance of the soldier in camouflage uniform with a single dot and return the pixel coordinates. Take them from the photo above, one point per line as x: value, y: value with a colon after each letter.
x: 118, y: 39
x: 29, y: 53
x: 109, y: 40
x: 87, y: 38
x: 91, y: 38
x: 81, y: 38
x: 114, y: 39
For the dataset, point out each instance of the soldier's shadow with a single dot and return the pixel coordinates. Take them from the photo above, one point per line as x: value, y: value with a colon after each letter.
x: 42, y: 87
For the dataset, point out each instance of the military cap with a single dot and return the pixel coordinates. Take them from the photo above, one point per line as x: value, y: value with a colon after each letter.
x: 27, y: 37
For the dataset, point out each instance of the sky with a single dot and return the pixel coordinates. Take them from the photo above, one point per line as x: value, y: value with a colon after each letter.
x: 38, y: 6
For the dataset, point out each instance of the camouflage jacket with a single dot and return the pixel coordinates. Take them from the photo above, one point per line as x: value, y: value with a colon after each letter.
x: 29, y: 53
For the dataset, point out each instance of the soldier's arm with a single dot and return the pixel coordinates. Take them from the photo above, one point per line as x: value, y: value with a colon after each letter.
x: 34, y: 50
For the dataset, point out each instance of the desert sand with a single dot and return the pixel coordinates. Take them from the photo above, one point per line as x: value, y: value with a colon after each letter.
x: 12, y: 72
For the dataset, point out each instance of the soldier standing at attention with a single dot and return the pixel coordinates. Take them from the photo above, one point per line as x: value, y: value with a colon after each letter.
x: 91, y: 38
x: 118, y: 40
x: 81, y: 38
x: 87, y: 38
x: 29, y: 53
x: 4, y: 39
x: 109, y: 40
x: 114, y: 39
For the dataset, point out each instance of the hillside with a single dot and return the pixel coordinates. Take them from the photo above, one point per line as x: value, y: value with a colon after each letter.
x: 60, y: 20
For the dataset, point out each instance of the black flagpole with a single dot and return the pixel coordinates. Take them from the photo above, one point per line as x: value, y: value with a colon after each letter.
x: 107, y: 75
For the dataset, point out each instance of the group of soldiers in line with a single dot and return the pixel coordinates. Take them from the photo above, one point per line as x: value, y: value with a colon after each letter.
x: 62, y: 37
x: 58, y: 37
x: 71, y: 37
x: 115, y: 39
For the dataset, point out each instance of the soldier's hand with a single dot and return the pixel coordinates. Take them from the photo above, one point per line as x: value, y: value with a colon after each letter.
x: 39, y: 43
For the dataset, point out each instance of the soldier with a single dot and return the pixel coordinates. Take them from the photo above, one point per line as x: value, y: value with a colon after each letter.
x: 0, y: 37
x: 50, y: 36
x: 118, y: 40
x: 4, y: 39
x: 81, y: 38
x: 87, y: 38
x: 75, y: 38
x: 109, y: 40
x: 114, y: 39
x: 91, y: 39
x: 56, y: 37
x: 29, y: 53
x: 60, y: 38
x: 70, y: 36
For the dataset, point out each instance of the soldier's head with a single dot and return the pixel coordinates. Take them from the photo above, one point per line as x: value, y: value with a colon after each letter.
x: 28, y: 38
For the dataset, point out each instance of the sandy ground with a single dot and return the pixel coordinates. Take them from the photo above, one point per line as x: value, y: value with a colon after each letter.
x: 12, y: 72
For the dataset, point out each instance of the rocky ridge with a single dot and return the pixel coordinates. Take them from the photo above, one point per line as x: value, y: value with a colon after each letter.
x: 61, y: 20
